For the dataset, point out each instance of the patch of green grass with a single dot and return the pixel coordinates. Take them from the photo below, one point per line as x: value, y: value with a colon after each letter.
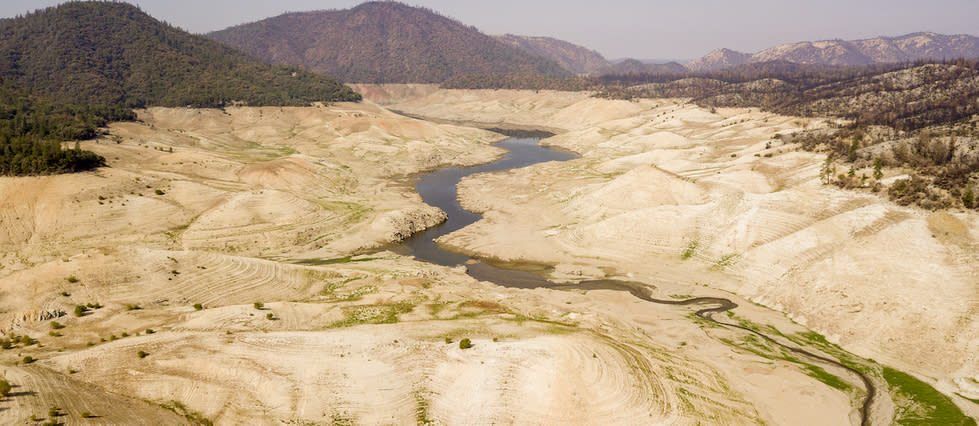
x: 833, y: 381
x: 682, y: 297
x: 920, y: 404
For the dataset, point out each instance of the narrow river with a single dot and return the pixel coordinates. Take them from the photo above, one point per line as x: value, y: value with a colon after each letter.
x: 439, y: 189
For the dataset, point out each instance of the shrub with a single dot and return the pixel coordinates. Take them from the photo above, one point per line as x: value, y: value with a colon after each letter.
x: 65, y: 293
x: 29, y: 359
x: 259, y: 305
x: 159, y: 192
x: 80, y: 310
x: 198, y: 306
x: 141, y: 354
x: 87, y: 415
x: 133, y: 307
x: 4, y: 388
x: 57, y: 325
x: 72, y: 279
x: 150, y: 331
x: 269, y: 316
x: 465, y: 343
x: 448, y: 340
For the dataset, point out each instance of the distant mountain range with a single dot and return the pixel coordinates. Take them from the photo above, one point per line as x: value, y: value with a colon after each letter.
x: 910, y: 47
x: 382, y: 42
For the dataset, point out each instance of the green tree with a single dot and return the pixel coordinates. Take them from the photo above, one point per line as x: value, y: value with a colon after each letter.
x: 4, y: 388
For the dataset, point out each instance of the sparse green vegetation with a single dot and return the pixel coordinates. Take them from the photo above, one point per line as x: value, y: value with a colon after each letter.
x: 690, y: 250
x: 5, y: 388
x: 142, y: 354
x: 150, y: 331
x: 259, y: 305
x: 198, y: 306
x: 725, y: 261
x: 133, y: 307
x: 80, y: 310
x: 465, y: 343
x: 71, y: 279
x: 191, y: 416
x: 28, y: 359
x: 269, y: 316
x: 374, y: 314
x: 421, y: 410
x: 158, y: 192
x: 56, y: 325
x: 87, y: 415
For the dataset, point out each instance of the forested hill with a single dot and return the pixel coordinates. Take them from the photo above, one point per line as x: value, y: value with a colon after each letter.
x: 382, y: 42
x: 66, y: 70
x: 111, y: 53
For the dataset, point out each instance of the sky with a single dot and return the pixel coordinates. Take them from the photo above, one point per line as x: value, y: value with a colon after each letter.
x: 644, y: 29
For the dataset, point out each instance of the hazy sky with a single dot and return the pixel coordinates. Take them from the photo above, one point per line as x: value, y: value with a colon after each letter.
x: 681, y: 29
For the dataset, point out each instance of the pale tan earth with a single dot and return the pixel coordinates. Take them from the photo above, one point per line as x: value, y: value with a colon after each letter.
x: 249, y: 192
x: 658, y: 177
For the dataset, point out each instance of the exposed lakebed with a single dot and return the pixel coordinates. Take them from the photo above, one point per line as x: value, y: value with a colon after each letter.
x: 439, y: 189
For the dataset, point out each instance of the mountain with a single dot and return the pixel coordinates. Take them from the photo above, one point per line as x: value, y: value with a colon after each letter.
x: 68, y: 70
x: 570, y: 56
x: 634, y: 66
x: 719, y: 59
x: 910, y: 47
x: 110, y: 53
x: 382, y: 42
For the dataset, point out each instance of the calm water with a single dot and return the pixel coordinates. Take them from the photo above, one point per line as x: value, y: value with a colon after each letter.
x: 439, y: 189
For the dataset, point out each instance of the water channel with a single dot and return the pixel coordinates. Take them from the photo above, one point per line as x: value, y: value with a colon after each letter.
x: 439, y: 189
